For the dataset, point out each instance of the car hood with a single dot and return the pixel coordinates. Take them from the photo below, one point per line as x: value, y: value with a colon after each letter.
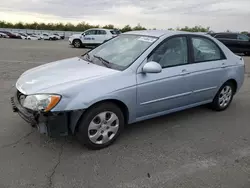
x: 75, y: 35
x: 60, y: 72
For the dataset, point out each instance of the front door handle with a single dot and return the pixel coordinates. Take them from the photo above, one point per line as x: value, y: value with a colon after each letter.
x: 184, y: 72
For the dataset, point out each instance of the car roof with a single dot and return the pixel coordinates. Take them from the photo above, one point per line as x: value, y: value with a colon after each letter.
x: 227, y: 33
x: 100, y: 29
x: 156, y: 33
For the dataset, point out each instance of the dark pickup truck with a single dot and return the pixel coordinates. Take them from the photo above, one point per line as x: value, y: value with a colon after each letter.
x: 237, y: 43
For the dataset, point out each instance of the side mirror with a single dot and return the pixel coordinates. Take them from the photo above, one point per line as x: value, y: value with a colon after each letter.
x: 152, y: 67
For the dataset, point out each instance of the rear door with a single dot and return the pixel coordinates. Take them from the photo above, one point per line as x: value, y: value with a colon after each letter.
x: 101, y: 36
x: 208, y: 68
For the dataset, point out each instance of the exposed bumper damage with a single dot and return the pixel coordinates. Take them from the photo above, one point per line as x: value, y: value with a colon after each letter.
x: 52, y: 124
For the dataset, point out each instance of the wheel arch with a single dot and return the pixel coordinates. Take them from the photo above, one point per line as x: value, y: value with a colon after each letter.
x: 234, y: 82
x: 79, y: 114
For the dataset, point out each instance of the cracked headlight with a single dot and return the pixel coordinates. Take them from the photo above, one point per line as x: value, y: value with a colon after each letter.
x: 41, y: 102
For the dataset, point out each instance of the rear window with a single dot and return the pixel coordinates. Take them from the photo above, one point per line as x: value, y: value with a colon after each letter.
x: 115, y: 32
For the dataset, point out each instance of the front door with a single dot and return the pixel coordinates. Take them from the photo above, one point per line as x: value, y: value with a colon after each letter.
x: 89, y: 37
x: 158, y: 93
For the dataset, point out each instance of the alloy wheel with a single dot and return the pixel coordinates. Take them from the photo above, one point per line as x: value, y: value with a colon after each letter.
x: 225, y: 96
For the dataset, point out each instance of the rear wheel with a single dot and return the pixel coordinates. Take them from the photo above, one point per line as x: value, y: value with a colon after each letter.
x: 224, y: 97
x: 100, y: 126
x: 77, y: 43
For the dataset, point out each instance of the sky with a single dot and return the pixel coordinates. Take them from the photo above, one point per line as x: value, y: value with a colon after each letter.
x: 220, y: 15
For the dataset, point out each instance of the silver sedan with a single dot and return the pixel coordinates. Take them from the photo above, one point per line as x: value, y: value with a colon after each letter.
x: 135, y: 76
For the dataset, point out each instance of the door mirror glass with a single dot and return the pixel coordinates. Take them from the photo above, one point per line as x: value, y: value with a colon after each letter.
x: 152, y: 67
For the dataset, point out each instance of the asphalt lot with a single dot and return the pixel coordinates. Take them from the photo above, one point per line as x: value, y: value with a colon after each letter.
x: 197, y: 148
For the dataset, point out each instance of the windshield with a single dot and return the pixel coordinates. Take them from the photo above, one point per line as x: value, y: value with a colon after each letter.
x: 120, y: 52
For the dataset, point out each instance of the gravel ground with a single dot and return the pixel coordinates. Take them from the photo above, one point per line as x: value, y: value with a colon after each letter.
x: 196, y: 148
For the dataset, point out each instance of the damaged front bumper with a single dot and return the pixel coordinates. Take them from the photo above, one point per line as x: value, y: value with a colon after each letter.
x: 52, y: 124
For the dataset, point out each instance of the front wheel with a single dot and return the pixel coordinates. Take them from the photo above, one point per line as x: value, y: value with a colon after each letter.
x: 224, y: 97
x: 100, y: 126
x: 77, y: 43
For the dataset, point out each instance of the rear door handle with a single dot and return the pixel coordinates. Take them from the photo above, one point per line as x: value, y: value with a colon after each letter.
x: 184, y: 72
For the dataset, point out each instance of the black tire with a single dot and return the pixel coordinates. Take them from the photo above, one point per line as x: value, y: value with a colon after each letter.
x: 82, y: 132
x: 247, y: 53
x: 215, y: 105
x: 77, y: 43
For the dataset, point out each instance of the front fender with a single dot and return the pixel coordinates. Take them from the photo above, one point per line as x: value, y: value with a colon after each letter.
x: 84, y: 100
x: 77, y: 107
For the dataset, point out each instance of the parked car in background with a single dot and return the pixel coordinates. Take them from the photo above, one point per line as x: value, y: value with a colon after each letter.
x: 61, y: 36
x: 33, y: 37
x: 46, y: 36
x: 39, y: 36
x: 3, y: 35
x: 92, y: 37
x: 135, y: 76
x: 23, y: 35
x: 248, y: 34
x: 11, y: 35
x: 236, y: 42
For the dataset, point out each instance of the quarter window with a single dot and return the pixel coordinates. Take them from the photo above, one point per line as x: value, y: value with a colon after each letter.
x: 205, y: 50
x: 172, y: 52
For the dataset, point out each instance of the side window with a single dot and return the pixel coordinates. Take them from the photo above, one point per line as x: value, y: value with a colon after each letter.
x: 205, y: 50
x: 243, y: 37
x: 226, y: 36
x: 90, y: 32
x: 101, y: 32
x: 172, y: 52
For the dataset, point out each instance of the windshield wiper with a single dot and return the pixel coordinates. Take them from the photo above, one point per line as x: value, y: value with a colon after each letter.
x: 104, y: 61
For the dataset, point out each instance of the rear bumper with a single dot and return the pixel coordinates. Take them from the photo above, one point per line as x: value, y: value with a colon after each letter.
x: 50, y: 124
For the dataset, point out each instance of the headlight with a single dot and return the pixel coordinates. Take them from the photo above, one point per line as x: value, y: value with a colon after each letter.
x: 41, y: 102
